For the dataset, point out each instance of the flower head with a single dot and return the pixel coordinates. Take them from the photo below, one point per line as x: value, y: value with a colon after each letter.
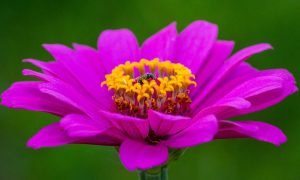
x: 140, y: 86
x: 173, y: 92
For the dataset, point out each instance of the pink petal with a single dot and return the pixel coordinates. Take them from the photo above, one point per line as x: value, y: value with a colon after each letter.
x: 61, y: 53
x: 26, y: 95
x: 139, y: 155
x: 161, y: 45
x: 243, y: 69
x: 78, y: 125
x: 164, y: 124
x: 116, y: 47
x: 194, y: 44
x: 54, y: 69
x: 50, y: 136
x: 202, y: 131
x: 251, y: 129
x: 38, y: 75
x: 229, y: 66
x: 131, y: 126
x: 55, y: 135
x: 225, y: 106
x: 220, y: 51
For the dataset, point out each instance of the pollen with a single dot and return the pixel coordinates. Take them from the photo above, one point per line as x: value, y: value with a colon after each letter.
x: 150, y: 84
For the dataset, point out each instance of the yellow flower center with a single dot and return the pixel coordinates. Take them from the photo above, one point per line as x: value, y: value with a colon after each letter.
x: 150, y: 84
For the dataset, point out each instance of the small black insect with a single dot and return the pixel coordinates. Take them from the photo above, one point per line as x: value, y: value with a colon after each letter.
x: 146, y: 76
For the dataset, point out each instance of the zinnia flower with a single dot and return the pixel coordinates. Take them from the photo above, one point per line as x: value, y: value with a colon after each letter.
x: 175, y: 91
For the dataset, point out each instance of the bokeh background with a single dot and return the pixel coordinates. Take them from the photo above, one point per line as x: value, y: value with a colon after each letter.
x: 25, y: 25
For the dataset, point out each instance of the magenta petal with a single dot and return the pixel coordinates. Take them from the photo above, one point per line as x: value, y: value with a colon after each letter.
x: 44, y: 66
x: 164, y: 124
x: 131, y: 126
x: 229, y: 66
x: 38, y: 75
x: 109, y: 137
x: 251, y: 129
x: 139, y: 155
x: 50, y: 136
x: 161, y: 45
x: 55, y: 135
x: 26, y: 95
x: 53, y: 68
x: 194, y: 44
x: 78, y: 125
x: 256, y: 86
x: 202, y: 131
x: 116, y: 47
x: 224, y: 106
x: 243, y: 69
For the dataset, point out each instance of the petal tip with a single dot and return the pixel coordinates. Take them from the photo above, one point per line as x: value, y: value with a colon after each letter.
x: 32, y: 143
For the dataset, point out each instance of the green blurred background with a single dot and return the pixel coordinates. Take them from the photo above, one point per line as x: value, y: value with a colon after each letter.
x: 25, y: 25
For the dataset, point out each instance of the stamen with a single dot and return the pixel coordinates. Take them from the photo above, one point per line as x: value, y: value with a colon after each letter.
x: 164, y: 88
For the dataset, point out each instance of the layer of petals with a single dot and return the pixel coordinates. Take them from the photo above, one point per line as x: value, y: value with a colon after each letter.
x: 26, y: 95
x: 88, y: 79
x: 219, y: 53
x: 262, y: 89
x: 70, y: 95
x: 54, y: 69
x: 228, y: 67
x: 269, y: 98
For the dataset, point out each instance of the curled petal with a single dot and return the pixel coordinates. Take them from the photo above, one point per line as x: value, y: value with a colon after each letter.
x: 225, y: 106
x: 50, y: 136
x: 251, y: 129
